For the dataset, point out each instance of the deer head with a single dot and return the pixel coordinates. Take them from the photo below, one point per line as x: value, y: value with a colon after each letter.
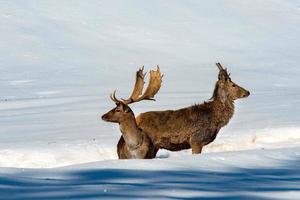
x: 119, y: 113
x: 226, y: 89
x: 122, y: 111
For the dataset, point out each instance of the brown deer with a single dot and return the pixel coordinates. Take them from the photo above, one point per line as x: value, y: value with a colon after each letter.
x: 134, y: 142
x: 197, y: 125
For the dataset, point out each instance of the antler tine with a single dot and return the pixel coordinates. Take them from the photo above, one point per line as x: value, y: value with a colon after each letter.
x: 153, y: 86
x: 138, y: 86
x: 219, y: 66
x: 114, y: 98
x: 223, y: 72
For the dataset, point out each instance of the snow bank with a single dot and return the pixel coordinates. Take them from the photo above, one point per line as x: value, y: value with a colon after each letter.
x: 256, y: 174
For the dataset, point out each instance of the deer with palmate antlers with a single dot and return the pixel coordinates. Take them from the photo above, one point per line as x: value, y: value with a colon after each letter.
x: 194, y: 126
x: 134, y: 142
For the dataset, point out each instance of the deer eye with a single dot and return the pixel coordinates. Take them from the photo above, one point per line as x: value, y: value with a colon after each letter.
x: 117, y: 110
x: 233, y: 85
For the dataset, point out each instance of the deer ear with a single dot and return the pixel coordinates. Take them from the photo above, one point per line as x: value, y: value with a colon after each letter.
x: 127, y: 109
x: 220, y: 76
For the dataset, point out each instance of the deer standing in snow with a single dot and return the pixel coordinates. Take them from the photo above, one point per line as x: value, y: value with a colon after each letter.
x: 134, y: 142
x: 197, y: 125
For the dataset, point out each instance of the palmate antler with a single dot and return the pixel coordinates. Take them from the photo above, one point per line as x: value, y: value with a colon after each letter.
x: 137, y: 93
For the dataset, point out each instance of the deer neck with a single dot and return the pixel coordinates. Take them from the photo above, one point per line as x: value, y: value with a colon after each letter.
x: 222, y: 111
x: 131, y: 133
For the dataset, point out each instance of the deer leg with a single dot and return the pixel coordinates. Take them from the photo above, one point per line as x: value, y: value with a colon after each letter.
x: 196, y: 149
x: 121, y: 149
x: 196, y: 144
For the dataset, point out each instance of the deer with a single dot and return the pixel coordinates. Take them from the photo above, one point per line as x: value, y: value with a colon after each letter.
x: 197, y: 125
x: 134, y: 142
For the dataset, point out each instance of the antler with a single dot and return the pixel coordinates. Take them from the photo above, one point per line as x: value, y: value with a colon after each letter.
x: 219, y: 66
x: 151, y: 90
x: 223, y: 74
x: 114, y: 98
x: 138, y: 86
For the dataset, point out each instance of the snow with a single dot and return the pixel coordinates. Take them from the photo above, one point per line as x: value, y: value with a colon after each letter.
x: 268, y: 174
x: 60, y: 60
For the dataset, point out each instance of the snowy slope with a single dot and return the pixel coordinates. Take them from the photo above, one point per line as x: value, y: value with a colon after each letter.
x: 60, y: 60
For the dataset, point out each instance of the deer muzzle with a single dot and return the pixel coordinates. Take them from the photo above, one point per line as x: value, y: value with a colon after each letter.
x: 104, y: 117
x: 247, y: 94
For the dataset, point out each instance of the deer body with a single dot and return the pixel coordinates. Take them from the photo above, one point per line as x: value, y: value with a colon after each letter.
x: 144, y: 151
x: 191, y: 127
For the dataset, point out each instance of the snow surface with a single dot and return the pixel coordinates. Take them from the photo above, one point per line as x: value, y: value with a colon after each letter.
x: 60, y: 60
x: 269, y: 174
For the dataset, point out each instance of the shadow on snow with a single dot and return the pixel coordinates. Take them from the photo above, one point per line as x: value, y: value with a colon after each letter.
x: 239, y: 183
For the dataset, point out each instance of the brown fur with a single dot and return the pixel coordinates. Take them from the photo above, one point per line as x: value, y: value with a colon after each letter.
x: 134, y: 142
x: 194, y: 126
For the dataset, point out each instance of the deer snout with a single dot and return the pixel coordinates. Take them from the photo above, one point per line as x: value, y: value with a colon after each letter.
x: 246, y: 94
x: 104, y: 117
